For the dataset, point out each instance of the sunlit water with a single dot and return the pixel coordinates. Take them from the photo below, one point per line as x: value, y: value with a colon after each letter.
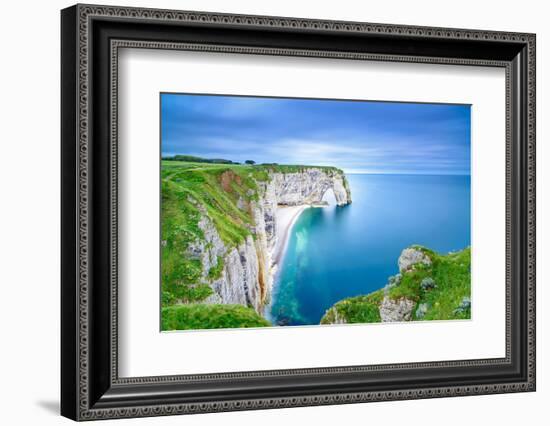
x: 337, y: 252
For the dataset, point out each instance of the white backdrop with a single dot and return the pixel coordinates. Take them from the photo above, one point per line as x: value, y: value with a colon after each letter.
x: 29, y: 229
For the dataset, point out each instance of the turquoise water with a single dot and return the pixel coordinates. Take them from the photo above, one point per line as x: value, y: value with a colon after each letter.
x: 337, y: 252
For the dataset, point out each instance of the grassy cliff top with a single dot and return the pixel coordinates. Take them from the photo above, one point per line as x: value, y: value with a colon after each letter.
x: 189, y: 192
x: 276, y: 168
x: 197, y: 316
x: 439, y: 288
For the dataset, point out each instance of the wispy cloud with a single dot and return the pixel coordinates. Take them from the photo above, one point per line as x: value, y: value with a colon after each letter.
x: 376, y: 137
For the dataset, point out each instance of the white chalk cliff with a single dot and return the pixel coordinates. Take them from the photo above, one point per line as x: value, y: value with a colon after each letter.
x: 246, y: 277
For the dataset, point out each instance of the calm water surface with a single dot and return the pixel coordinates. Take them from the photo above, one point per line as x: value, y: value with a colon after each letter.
x: 337, y: 252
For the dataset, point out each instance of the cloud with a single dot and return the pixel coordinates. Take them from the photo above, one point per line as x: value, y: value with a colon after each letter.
x: 355, y: 136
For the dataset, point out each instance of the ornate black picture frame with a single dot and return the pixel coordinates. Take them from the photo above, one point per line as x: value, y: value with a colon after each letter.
x: 90, y: 38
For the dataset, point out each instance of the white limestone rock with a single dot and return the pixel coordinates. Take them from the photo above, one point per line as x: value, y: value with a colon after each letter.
x: 396, y: 310
x: 412, y: 256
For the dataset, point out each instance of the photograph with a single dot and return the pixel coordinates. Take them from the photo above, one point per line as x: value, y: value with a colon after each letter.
x: 305, y: 212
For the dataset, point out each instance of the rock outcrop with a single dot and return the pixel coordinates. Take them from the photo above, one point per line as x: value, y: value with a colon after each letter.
x: 412, y: 256
x: 401, y: 309
x: 246, y: 277
x: 414, y: 293
x: 309, y: 186
x: 396, y: 310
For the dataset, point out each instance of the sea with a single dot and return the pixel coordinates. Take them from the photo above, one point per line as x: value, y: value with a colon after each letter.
x: 337, y: 252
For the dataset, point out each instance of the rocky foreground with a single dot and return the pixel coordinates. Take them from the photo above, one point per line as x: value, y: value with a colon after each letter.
x: 429, y: 286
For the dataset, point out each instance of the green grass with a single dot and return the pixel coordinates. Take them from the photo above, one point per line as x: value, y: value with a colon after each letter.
x: 192, y: 158
x: 203, y: 185
x: 180, y: 273
x: 451, y: 273
x: 216, y: 271
x: 193, y: 161
x: 187, y: 193
x: 359, y: 309
x: 247, y: 168
x: 202, y: 316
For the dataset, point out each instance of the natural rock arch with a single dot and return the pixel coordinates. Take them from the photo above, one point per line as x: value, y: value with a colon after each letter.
x: 329, y: 197
x: 309, y: 187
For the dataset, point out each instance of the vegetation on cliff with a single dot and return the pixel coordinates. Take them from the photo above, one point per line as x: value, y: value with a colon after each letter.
x: 190, y: 191
x: 439, y: 289
x: 203, y: 316
x: 193, y: 189
x: 358, y: 309
x: 221, y: 191
x: 192, y: 158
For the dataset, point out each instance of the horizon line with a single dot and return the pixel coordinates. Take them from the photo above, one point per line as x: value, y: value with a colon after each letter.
x: 166, y: 156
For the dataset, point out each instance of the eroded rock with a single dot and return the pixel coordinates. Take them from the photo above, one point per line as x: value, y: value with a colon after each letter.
x: 412, y: 256
x: 309, y: 186
x: 396, y: 310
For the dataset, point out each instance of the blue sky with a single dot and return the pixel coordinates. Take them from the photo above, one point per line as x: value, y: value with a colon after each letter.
x: 358, y: 137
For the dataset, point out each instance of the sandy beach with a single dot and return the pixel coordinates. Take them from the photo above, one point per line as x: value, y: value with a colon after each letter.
x: 286, y: 217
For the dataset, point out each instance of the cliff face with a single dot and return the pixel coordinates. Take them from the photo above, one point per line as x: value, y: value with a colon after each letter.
x: 242, y: 274
x: 309, y: 187
x: 305, y: 187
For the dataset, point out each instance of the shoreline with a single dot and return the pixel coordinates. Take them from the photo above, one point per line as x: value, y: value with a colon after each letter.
x: 286, y: 217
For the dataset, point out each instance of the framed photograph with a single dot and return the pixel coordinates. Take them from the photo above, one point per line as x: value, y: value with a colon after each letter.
x: 263, y: 212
